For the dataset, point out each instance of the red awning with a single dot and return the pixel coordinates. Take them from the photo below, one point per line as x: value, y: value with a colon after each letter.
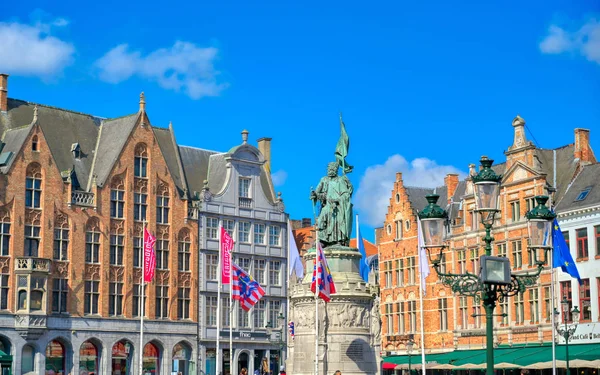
x: 389, y: 366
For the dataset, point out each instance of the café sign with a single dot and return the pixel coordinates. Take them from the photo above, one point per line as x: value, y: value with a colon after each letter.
x: 585, y: 333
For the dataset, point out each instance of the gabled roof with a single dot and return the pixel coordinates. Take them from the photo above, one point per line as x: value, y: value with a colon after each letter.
x: 416, y: 196
x: 61, y: 129
x: 113, y: 135
x: 168, y: 147
x: 566, y: 164
x: 13, y: 142
x: 195, y: 166
x: 588, y: 178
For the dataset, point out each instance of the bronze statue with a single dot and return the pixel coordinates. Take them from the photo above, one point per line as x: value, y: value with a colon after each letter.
x: 334, y: 192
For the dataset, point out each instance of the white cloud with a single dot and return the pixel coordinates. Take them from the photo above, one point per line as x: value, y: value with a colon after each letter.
x: 374, y: 190
x: 182, y: 67
x: 585, y: 41
x: 279, y: 177
x: 30, y: 50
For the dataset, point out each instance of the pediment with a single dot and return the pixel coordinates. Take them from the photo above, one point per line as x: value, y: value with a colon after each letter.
x: 519, y: 172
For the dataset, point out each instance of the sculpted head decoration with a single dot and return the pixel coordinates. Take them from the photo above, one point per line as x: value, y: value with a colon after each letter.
x: 332, y: 169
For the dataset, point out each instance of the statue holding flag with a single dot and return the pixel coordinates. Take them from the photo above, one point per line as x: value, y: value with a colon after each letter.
x: 334, y: 194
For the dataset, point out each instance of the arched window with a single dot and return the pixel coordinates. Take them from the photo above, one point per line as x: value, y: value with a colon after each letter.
x: 162, y: 251
x: 117, y: 198
x: 27, y: 360
x: 4, y: 232
x: 162, y: 204
x: 117, y: 239
x: 151, y: 363
x: 88, y: 358
x: 184, y: 253
x: 140, y: 203
x: 55, y: 358
x: 33, y: 186
x: 92, y: 241
x: 181, y: 359
x: 122, y: 355
x: 61, y: 237
x: 34, y: 143
x: 141, y: 161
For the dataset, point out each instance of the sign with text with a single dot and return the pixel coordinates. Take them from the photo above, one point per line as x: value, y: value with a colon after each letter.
x: 584, y: 334
x: 245, y: 335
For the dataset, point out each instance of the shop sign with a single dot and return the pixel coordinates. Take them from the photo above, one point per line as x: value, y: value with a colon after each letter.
x: 472, y: 333
x: 245, y: 335
x: 584, y: 334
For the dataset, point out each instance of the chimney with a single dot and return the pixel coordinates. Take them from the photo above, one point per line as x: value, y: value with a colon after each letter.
x: 582, y: 145
x: 3, y: 92
x: 306, y: 222
x: 451, y: 182
x: 264, y: 146
x: 520, y: 140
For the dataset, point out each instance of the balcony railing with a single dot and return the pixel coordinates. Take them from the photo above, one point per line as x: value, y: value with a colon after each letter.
x: 32, y: 264
x: 82, y: 198
x: 245, y: 202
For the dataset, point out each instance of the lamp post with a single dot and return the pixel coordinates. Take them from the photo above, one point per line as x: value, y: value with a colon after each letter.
x: 279, y: 339
x: 569, y: 330
x: 495, y: 281
x: 409, y: 348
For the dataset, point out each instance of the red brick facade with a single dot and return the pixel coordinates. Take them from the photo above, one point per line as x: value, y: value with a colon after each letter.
x: 448, y: 321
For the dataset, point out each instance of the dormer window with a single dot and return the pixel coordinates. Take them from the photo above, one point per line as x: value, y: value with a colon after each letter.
x: 583, y: 194
x: 76, y: 150
x: 34, y: 143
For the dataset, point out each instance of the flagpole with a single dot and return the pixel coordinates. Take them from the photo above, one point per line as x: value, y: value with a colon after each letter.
x: 422, y: 323
x: 317, y: 275
x: 287, y: 307
x: 553, y: 317
x: 220, y: 281
x: 142, y: 305
x: 422, y: 284
x: 230, y: 315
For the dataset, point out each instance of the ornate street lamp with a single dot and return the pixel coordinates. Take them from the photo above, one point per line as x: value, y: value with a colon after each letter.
x: 409, y: 348
x: 495, y: 281
x: 278, y: 340
x: 569, y: 330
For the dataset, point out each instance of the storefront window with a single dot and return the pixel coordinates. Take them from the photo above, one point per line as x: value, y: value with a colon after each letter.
x: 27, y: 357
x: 181, y: 359
x: 55, y: 358
x: 122, y: 358
x: 211, y: 361
x: 88, y: 359
x: 151, y: 360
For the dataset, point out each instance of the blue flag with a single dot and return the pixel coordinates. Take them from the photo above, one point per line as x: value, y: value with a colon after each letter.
x: 561, y: 255
x: 364, y: 266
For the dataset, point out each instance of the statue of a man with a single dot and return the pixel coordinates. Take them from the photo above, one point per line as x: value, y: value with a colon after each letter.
x: 335, y: 218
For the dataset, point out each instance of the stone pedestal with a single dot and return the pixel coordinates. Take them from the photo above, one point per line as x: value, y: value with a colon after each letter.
x: 349, y: 325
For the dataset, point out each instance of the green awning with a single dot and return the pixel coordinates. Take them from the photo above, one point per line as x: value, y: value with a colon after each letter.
x: 518, y: 354
x: 5, y: 357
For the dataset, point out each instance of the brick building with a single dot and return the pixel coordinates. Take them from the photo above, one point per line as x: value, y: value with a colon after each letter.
x: 75, y: 191
x: 448, y: 319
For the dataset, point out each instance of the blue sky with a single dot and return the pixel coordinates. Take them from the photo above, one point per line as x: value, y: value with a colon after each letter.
x: 425, y: 87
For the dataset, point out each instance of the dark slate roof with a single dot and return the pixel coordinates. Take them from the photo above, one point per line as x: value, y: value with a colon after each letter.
x: 589, y: 176
x: 113, y: 135
x: 13, y: 141
x: 217, y: 172
x: 62, y: 128
x: 416, y: 196
x: 566, y: 164
x: 168, y: 147
x: 195, y: 166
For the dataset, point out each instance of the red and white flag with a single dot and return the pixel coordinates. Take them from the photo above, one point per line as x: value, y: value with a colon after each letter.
x: 226, y: 248
x: 149, y: 256
x: 322, y: 280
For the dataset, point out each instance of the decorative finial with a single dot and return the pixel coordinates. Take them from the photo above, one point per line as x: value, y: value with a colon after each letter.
x: 472, y: 171
x: 35, y: 113
x: 518, y: 121
x: 340, y: 116
x: 170, y: 124
x: 245, y: 136
x: 142, y: 102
